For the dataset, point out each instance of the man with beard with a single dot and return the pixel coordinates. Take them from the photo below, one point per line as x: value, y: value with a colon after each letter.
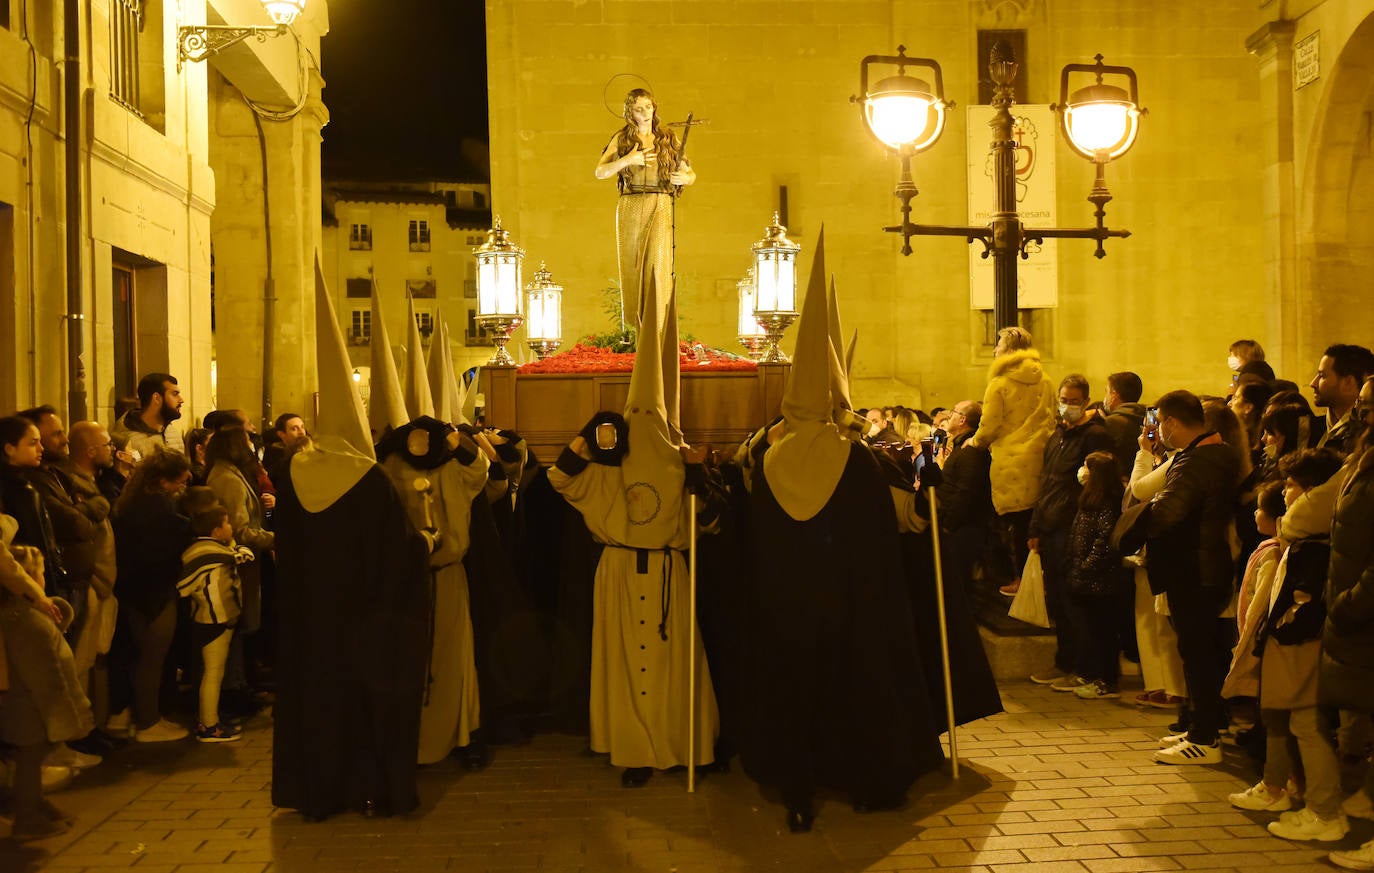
x: 150, y: 426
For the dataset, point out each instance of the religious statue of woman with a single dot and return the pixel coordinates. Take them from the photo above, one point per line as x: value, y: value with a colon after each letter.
x: 645, y: 157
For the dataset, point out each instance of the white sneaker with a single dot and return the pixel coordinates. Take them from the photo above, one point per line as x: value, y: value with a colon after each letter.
x: 56, y: 778
x: 65, y: 756
x: 1187, y: 752
x: 120, y: 724
x: 1355, y: 859
x: 162, y: 732
x: 1258, y: 799
x: 1307, y: 825
x: 1168, y: 742
x: 1358, y: 805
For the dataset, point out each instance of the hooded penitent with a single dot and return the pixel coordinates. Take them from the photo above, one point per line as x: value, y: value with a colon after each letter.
x: 653, y: 471
x: 805, y: 465
x: 440, y: 385
x: 851, y: 424
x: 419, y: 400
x: 354, y: 616
x: 468, y: 391
x: 386, y: 405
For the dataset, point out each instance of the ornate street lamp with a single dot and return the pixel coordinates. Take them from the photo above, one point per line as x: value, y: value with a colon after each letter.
x: 775, y: 286
x: 1101, y: 122
x: 752, y: 335
x: 199, y: 41
x: 498, y: 290
x: 543, y: 314
x: 905, y: 114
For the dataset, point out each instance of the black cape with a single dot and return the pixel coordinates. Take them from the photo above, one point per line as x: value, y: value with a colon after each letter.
x: 836, y: 691
x: 353, y: 621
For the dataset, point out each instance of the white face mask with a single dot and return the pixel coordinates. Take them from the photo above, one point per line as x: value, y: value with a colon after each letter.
x: 1233, y: 362
x: 1082, y: 475
x: 874, y: 428
x: 1071, y: 414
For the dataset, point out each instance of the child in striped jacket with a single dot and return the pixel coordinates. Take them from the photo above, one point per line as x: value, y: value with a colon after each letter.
x: 210, y: 580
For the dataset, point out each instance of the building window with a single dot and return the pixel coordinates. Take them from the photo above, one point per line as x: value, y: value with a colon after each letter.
x: 424, y: 322
x: 476, y: 239
x: 359, y: 288
x: 360, y: 330
x: 4, y: 14
x: 136, y: 70
x: 423, y: 288
x: 360, y: 238
x: 478, y: 201
x: 419, y: 235
x: 1036, y: 322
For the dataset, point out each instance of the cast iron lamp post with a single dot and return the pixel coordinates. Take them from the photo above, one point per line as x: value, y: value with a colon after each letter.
x: 200, y: 41
x: 498, y: 290
x: 907, y: 115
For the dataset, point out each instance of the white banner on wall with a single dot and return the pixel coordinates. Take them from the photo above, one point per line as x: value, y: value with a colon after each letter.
x: 1033, y: 129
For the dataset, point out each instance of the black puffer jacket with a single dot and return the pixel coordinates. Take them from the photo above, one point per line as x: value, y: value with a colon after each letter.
x: 966, y: 489
x: 20, y: 499
x: 1123, y: 424
x: 1059, y: 488
x: 1347, y: 670
x: 1188, y: 519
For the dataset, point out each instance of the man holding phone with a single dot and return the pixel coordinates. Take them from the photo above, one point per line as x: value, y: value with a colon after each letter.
x: 1185, y: 529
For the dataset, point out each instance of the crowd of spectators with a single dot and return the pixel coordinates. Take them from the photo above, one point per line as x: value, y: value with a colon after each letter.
x: 1221, y: 542
x: 131, y: 580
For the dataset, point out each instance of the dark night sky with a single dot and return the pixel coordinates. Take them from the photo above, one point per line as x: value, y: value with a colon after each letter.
x: 405, y: 83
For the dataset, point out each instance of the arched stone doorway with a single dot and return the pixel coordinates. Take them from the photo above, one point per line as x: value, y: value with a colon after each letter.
x: 1336, y: 238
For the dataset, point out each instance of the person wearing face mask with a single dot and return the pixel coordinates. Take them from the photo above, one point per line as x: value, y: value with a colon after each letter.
x: 1079, y: 433
x: 1185, y: 529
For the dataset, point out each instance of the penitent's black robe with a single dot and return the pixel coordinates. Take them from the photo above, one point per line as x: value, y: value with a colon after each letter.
x: 353, y: 615
x: 836, y: 691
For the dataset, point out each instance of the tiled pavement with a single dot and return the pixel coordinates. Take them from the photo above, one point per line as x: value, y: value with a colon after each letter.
x: 1054, y: 784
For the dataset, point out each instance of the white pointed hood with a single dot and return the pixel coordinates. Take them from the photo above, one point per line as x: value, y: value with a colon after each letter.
x: 470, y: 390
x: 440, y: 388
x: 653, y: 471
x: 455, y: 389
x: 340, y: 453
x: 386, y: 405
x: 418, y: 399
x: 839, y: 371
x: 805, y: 465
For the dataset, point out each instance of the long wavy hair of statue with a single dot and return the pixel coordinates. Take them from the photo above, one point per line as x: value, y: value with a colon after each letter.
x: 665, y: 141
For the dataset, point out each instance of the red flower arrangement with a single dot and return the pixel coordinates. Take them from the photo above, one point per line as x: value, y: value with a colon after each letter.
x: 584, y: 358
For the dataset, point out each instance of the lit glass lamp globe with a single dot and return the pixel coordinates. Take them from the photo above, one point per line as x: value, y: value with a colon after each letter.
x: 284, y: 12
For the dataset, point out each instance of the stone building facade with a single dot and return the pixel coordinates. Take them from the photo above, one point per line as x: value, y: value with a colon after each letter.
x: 1248, y: 198
x: 406, y: 235
x: 162, y: 186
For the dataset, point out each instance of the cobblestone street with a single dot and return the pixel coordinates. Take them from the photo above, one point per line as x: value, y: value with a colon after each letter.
x: 1054, y: 784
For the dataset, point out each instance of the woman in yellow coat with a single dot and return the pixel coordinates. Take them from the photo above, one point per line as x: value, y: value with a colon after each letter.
x: 1018, y: 418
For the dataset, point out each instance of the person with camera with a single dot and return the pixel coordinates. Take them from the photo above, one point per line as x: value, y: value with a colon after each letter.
x: 1186, y: 528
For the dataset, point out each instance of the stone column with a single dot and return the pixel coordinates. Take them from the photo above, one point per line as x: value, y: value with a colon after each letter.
x: 241, y: 241
x: 1272, y: 46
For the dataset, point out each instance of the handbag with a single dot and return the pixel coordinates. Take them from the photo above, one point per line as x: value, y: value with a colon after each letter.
x: 1029, y: 603
x: 1128, y: 534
